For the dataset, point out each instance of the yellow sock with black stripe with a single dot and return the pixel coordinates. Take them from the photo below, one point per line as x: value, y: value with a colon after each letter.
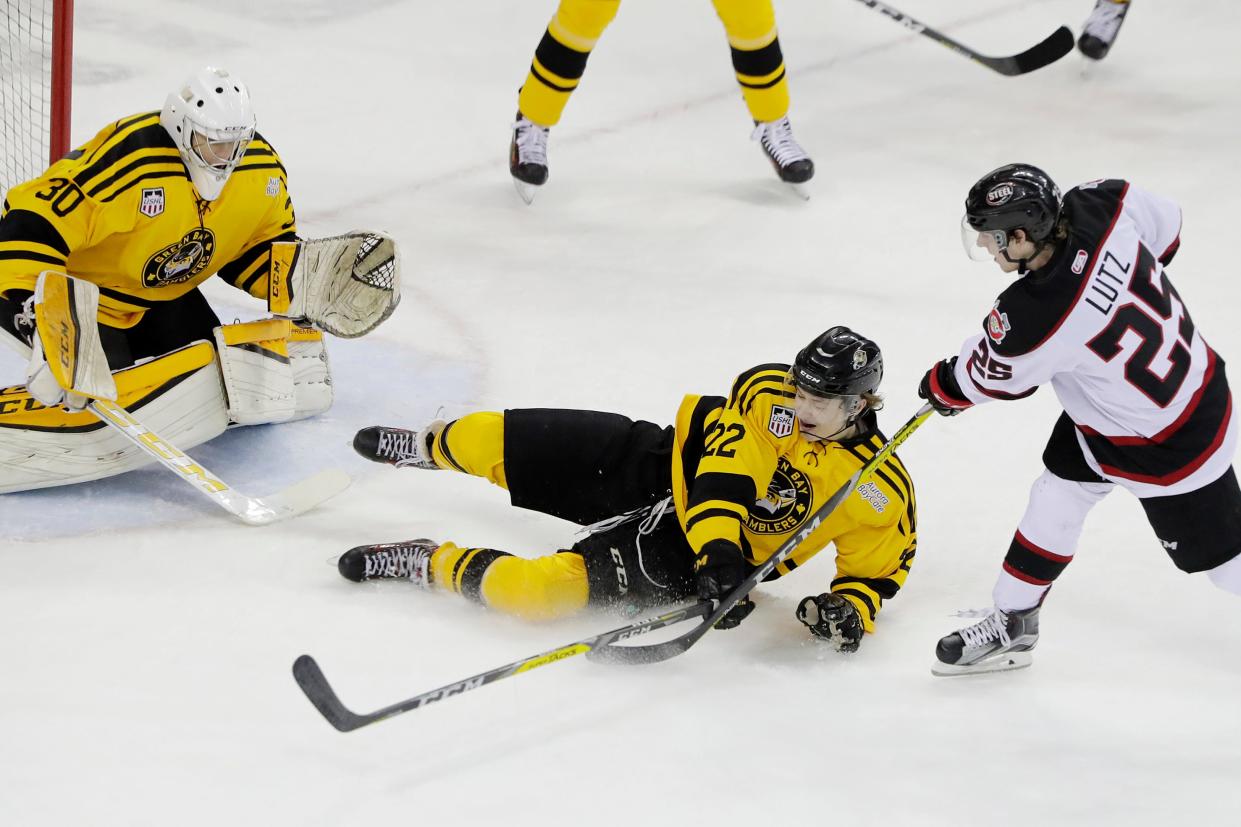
x: 560, y: 59
x: 756, y: 55
x: 544, y: 588
x: 473, y: 444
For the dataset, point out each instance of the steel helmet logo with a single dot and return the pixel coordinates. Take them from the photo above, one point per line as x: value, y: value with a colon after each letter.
x: 1000, y: 194
x: 859, y: 359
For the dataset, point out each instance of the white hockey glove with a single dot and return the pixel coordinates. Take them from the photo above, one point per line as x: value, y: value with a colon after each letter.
x: 66, y: 323
x: 346, y: 285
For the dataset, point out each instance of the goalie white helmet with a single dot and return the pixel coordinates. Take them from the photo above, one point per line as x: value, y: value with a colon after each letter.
x: 211, y: 120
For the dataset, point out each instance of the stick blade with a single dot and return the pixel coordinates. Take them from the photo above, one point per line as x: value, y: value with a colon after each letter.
x: 296, y: 499
x: 314, y: 685
x: 1056, y: 46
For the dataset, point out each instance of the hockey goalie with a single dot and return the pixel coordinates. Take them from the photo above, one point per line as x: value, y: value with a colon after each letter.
x: 100, y: 262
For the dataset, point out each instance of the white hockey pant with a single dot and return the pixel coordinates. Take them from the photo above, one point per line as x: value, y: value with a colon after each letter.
x: 1055, y: 515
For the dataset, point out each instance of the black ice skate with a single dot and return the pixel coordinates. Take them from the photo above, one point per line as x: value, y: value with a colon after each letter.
x: 410, y: 560
x: 397, y: 446
x: 791, y: 162
x: 998, y: 642
x: 1101, y: 28
x: 527, y: 157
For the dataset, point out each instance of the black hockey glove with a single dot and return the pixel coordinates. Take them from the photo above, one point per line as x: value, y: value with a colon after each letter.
x: 719, y: 569
x: 834, y: 619
x: 939, y: 387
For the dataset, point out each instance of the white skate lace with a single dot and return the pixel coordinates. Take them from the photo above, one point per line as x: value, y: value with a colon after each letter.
x: 403, y: 561
x: 777, y: 139
x: 1104, y: 21
x: 531, y: 142
x: 994, y: 625
x: 397, y: 445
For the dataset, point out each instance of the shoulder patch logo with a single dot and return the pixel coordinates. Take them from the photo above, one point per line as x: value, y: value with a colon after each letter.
x: 871, y: 493
x: 781, y: 421
x: 152, y: 203
x: 273, y: 187
x: 999, y: 194
x: 997, y: 324
x: 1079, y: 261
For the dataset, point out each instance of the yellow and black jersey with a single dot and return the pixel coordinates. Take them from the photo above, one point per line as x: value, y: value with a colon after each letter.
x: 744, y: 474
x: 122, y: 213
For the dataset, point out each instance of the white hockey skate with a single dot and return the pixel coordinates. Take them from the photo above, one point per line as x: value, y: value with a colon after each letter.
x: 997, y: 643
x: 790, y: 161
x: 527, y: 157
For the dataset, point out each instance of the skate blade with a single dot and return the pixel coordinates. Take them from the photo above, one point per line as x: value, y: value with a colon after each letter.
x: 1002, y: 663
x: 802, y: 191
x: 526, y: 191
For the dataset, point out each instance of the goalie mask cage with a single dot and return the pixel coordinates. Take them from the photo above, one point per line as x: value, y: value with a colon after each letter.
x: 36, y: 60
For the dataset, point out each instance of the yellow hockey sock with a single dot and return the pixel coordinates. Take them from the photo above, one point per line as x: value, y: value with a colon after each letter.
x: 544, y: 588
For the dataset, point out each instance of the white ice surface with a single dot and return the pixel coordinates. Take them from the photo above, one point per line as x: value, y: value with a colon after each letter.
x: 146, y: 640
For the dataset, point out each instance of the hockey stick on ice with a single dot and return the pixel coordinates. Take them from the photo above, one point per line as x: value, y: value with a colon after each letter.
x: 312, y: 682
x: 296, y: 499
x: 1058, y: 44
x: 654, y: 653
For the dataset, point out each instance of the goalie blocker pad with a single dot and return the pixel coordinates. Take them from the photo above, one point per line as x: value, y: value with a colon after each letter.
x: 67, y: 358
x: 346, y: 284
x: 273, y: 371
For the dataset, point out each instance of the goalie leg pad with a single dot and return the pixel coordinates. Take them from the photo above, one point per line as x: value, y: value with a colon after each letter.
x: 179, y: 395
x: 273, y: 371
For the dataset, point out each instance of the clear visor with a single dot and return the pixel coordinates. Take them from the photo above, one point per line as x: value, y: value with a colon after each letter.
x: 221, y: 151
x: 982, y: 245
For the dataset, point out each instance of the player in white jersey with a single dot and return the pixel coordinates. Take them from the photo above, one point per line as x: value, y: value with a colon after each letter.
x: 1146, y: 402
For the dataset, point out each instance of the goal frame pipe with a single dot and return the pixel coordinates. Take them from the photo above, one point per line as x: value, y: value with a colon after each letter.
x: 62, y: 80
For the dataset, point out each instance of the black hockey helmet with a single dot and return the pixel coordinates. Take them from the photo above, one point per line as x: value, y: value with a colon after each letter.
x: 1015, y: 196
x: 838, y: 362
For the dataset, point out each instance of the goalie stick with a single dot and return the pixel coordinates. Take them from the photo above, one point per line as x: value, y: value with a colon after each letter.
x: 289, y: 502
x: 310, y: 677
x: 654, y: 653
x: 1058, y: 44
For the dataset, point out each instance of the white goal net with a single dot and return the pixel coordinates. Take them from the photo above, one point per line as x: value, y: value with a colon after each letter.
x: 35, y: 56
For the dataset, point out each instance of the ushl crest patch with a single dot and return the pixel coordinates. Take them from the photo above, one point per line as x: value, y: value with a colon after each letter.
x: 152, y: 203
x: 781, y: 422
x: 997, y: 324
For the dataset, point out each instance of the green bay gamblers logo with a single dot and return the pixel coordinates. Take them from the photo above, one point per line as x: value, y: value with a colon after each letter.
x: 180, y: 261
x: 787, y: 504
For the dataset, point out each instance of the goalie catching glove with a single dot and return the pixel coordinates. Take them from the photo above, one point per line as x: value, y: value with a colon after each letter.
x: 834, y: 619
x: 346, y: 285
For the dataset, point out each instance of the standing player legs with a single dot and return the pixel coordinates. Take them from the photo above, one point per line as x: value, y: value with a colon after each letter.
x: 1046, y: 539
x: 759, y: 65
x: 560, y: 59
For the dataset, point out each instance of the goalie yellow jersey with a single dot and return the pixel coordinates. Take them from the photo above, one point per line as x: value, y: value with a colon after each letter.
x: 121, y: 212
x: 743, y: 474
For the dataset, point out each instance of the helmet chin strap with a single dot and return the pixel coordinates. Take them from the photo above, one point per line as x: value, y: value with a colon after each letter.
x: 1023, y: 264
